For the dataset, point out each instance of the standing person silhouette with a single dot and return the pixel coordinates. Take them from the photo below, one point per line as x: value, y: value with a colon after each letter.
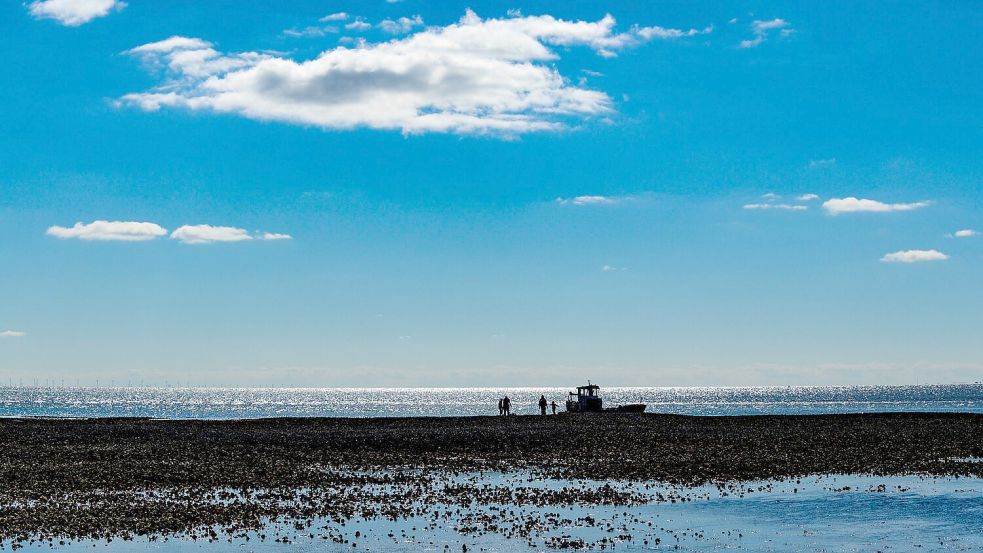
x: 542, y: 405
x: 507, y: 405
x: 501, y: 407
x: 553, y: 404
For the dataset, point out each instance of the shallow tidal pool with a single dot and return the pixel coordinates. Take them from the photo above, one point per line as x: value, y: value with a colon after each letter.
x: 828, y: 513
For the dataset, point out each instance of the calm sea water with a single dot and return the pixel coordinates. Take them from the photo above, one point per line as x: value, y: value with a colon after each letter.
x: 231, y: 403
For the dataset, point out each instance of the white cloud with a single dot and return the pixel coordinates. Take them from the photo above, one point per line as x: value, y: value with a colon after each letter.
x: 339, y: 16
x: 358, y: 25
x: 110, y: 230
x: 820, y: 163
x: 12, y: 334
x: 476, y: 76
x: 402, y: 25
x: 807, y: 197
x: 73, y: 12
x: 762, y: 28
x: 837, y: 206
x: 611, y: 269
x: 206, y: 234
x: 914, y: 256
x: 656, y: 31
x: 588, y: 200
x: 770, y: 196
x: 965, y: 233
x: 312, y: 31
x: 786, y: 207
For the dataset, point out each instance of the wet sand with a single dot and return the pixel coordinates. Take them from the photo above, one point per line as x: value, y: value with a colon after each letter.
x: 121, y: 478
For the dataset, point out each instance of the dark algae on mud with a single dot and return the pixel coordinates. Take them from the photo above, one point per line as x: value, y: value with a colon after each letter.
x: 123, y: 478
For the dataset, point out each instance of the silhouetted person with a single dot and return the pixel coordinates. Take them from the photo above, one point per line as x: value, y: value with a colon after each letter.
x: 507, y: 405
x: 553, y: 404
x: 542, y: 405
x: 501, y: 407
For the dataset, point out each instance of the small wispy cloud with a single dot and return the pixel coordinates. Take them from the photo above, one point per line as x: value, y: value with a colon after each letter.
x: 589, y: 200
x: 838, y: 206
x: 338, y: 16
x: 209, y: 234
x: 311, y: 32
x: 612, y: 269
x: 358, y: 25
x: 12, y: 334
x: 820, y: 163
x: 770, y: 199
x: 786, y: 207
x: 914, y: 256
x: 400, y: 26
x: 126, y: 231
x: 73, y: 13
x: 965, y: 233
x: 761, y: 29
x: 274, y: 236
x: 807, y: 197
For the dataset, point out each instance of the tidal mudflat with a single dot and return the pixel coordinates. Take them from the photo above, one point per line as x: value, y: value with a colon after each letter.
x: 582, y: 482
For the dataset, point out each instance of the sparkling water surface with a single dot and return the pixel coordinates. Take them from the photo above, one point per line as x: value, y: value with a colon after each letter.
x: 234, y: 403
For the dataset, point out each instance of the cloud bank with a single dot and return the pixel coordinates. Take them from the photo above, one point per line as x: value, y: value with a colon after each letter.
x: 914, y: 256
x: 837, y: 206
x: 127, y: 231
x: 476, y: 76
x: 73, y: 13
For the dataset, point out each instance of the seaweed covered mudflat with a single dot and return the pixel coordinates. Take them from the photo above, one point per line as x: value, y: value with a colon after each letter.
x: 106, y: 479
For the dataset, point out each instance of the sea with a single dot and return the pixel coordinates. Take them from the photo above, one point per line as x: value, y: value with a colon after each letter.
x: 248, y: 403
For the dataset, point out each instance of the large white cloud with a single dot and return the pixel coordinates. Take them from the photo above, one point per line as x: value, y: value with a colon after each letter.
x: 837, y: 206
x: 476, y: 76
x: 73, y: 12
x: 129, y: 231
x: 914, y: 256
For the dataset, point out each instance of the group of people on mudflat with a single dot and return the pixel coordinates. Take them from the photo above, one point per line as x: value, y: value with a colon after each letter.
x: 505, y: 406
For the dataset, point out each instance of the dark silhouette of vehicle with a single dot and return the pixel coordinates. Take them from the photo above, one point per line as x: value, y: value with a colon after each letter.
x: 587, y: 399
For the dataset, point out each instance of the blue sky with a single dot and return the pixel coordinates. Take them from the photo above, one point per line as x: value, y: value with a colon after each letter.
x: 429, y: 194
